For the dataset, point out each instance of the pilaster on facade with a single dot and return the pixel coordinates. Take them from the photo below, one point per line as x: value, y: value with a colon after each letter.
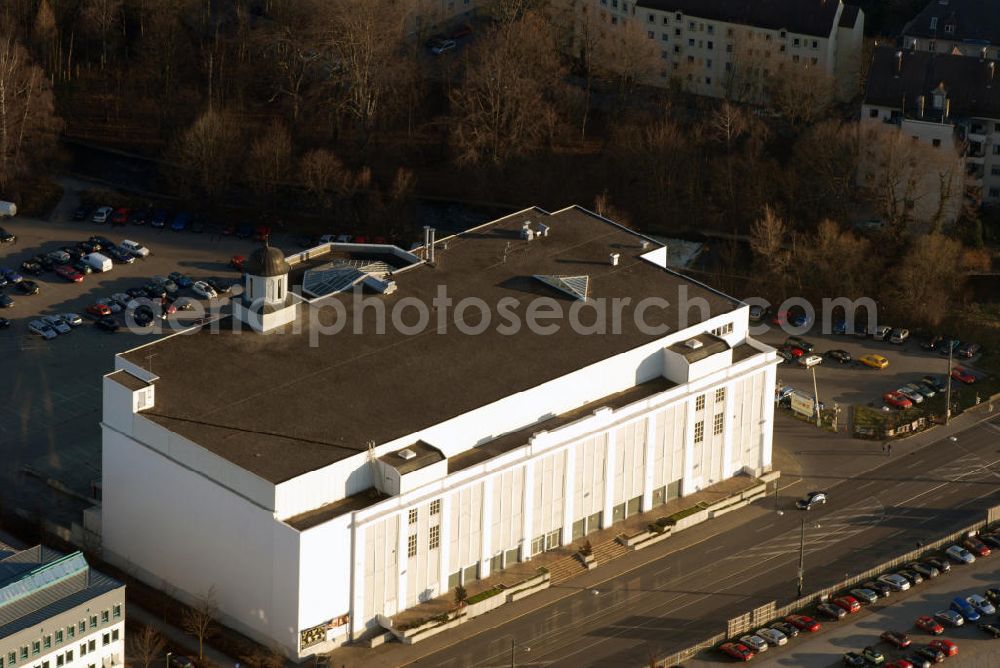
x: 486, y: 528
x: 402, y: 557
x: 529, y: 510
x: 728, y: 428
x: 767, y: 420
x: 568, y: 497
x: 688, y: 484
x: 444, y: 550
x: 358, y: 581
x: 647, y: 481
x: 610, y: 461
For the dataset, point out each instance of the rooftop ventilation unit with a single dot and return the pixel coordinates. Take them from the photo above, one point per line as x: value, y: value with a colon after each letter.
x: 614, y: 259
x: 406, y: 454
x: 526, y: 232
x: 543, y: 230
x: 693, y: 344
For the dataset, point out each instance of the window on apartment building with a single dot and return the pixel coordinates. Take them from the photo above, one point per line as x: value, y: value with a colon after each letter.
x: 59, y: 636
x: 708, y: 63
x: 663, y: 74
x: 411, y: 546
x: 105, y: 616
x: 729, y: 48
x: 45, y: 664
x: 729, y: 32
x: 677, y: 32
x: 767, y: 37
x: 994, y: 192
x: 708, y: 80
x: 699, y: 431
x: 936, y: 143
x: 666, y: 21
x: 614, y: 4
x: 932, y: 46
x: 47, y: 642
x: 413, y: 515
x: 24, y: 652
x: 665, y: 55
x: 710, y: 45
x: 664, y: 37
x: 105, y: 639
x: 996, y: 127
x: 995, y: 170
x: 996, y: 149
x: 699, y: 402
x: 717, y: 423
x: 82, y: 626
x: 725, y: 329
x: 690, y: 59
x: 114, y: 635
x: 711, y: 29
x: 91, y: 645
x: 36, y: 648
x: 650, y: 18
x: 701, y: 44
x: 690, y: 25
x: 624, y: 6
x: 614, y: 20
x: 781, y: 48
x: 795, y: 41
x: 729, y: 67
x: 11, y: 658
x: 795, y: 59
x: 690, y: 42
x: 815, y: 44
x: 60, y: 659
x: 783, y: 34
x: 678, y: 16
x: 116, y: 611
x: 83, y: 648
x: 436, y: 507
x: 434, y: 540
x: 677, y: 49
x: 873, y: 113
x: 720, y: 395
x: 93, y: 621
x: 950, y: 28
x: 934, y: 22
x: 604, y: 2
x: 650, y: 34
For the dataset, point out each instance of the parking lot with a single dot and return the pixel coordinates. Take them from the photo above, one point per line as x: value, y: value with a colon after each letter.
x: 854, y: 383
x: 50, y: 399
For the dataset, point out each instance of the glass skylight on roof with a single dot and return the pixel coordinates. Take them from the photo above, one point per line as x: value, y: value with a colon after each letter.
x: 340, y: 275
x: 41, y: 577
x: 577, y: 287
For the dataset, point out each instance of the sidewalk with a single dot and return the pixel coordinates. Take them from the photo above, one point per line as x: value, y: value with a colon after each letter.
x: 176, y: 637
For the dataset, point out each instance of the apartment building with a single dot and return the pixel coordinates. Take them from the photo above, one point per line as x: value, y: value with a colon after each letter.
x: 731, y: 48
x: 328, y: 481
x: 956, y: 27
x: 57, y: 612
x: 950, y: 102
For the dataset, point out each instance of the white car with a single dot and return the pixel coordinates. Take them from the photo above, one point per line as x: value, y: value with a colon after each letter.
x: 899, y: 336
x: 774, y: 637
x: 42, y: 329
x: 204, y: 290
x: 894, y: 582
x: 755, y: 642
x: 912, y: 395
x: 101, y: 215
x: 960, y: 555
x: 809, y: 361
x: 72, y: 319
x: 982, y: 606
x: 57, y: 323
x: 134, y: 248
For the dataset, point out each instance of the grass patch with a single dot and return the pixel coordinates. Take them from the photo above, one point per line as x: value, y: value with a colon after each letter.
x: 687, y: 512
x: 485, y: 594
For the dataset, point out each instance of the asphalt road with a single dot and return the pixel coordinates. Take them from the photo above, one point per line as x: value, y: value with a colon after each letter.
x: 898, y: 612
x: 665, y: 604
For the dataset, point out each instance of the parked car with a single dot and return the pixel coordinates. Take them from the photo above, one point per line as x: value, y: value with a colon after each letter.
x: 119, y: 216
x: 921, y: 389
x: 981, y: 605
x: 969, y: 350
x: 926, y: 570
x: 114, y: 306
x: 809, y: 361
x: 991, y: 629
x: 244, y: 231
x: 991, y: 539
x: 28, y: 287
x: 916, y: 660
x: 841, y: 356
x: 960, y: 555
x: 931, y: 343
x: 854, y: 659
x: 899, y: 336
x: 811, y: 499
x: 948, y: 347
x: 913, y: 396
x: 135, y: 248
x: 158, y: 219
x: 737, y: 650
x: 57, y: 323
x: 107, y: 323
x: 934, y: 382
x: 831, y: 611
x: 848, y: 603
x: 873, y: 656
x: 60, y: 257
x: 976, y: 546
x: 754, y: 642
x: 897, y: 400
x: 180, y: 279
x: 42, y: 329
x: 82, y: 267
x: 882, y: 333
x: 441, y: 46
x: 789, y: 630
x: 261, y: 233
x: 154, y: 290
x: 180, y: 222
x: 803, y: 623
x: 204, y: 290
x: 774, y: 638
x: 929, y: 624
x: 864, y: 595
x: 11, y: 275
x: 72, y: 318
x: 139, y: 217
x: 167, y: 284
x: 896, y: 638
x: 949, y: 618
x: 5, y: 323
x: 963, y: 376
x: 896, y: 582
x: 993, y: 595
x: 880, y: 588
x: 949, y: 647
x: 964, y: 608
x: 31, y: 267
x: 931, y: 654
x: 874, y: 361
x: 82, y: 212
x: 799, y: 342
x: 69, y: 273
x: 101, y: 215
x: 237, y: 262
x: 98, y: 310
x: 6, y: 301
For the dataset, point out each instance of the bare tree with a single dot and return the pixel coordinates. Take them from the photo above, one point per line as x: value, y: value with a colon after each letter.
x: 28, y: 124
x: 505, y: 107
x: 199, y: 619
x: 146, y: 645
x: 803, y: 94
x: 926, y: 279
x: 769, y: 243
x: 322, y: 172
x: 207, y: 154
x: 270, y: 160
x: 103, y: 18
x: 624, y: 57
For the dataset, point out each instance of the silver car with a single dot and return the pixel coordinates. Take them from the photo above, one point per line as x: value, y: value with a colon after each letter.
x: 42, y: 329
x: 774, y: 637
x: 894, y: 582
x: 960, y: 555
x: 72, y: 319
x: 982, y: 606
x: 755, y: 642
x: 912, y: 395
x: 921, y: 389
x: 866, y: 595
x: 57, y: 323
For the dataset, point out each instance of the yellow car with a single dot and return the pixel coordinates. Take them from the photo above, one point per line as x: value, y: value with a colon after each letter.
x: 874, y: 361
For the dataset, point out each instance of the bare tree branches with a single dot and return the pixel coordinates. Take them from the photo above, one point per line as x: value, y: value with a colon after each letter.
x: 199, y: 620
x: 145, y: 646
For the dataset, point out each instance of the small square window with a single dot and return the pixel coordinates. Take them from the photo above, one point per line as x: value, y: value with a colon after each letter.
x: 690, y: 59
x: 795, y: 41
x: 665, y: 55
x: 936, y: 143
x: 413, y: 515
x: 690, y: 42
x: 436, y: 507
x: 994, y: 192
x: 699, y: 402
x: 664, y: 37
x: 783, y: 34
x: 710, y: 45
x: 699, y: 431
x: 92, y: 646
x: 36, y: 648
x: 815, y: 61
x: 708, y: 80
x: 729, y: 48
x: 60, y: 659
x: 720, y: 395
x: 114, y: 635
x: 677, y: 49
x: 873, y: 113
x: 708, y: 63
x: 434, y: 540
x: 105, y: 616
x: 411, y: 546
x: 650, y: 34
x: 650, y: 18
x: 815, y: 44
x: 117, y: 611
x: 69, y: 656
x: 105, y: 639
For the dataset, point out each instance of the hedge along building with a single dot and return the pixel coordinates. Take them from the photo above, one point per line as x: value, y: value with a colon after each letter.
x: 317, y: 482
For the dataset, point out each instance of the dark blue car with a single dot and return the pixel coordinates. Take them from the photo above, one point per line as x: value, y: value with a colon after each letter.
x: 159, y: 218
x: 181, y: 222
x: 11, y: 275
x: 964, y: 608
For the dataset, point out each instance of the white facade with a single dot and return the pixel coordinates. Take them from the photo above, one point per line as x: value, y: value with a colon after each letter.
x: 309, y: 563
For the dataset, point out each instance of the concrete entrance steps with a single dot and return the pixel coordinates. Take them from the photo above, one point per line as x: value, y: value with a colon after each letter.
x: 565, y: 569
x: 608, y: 550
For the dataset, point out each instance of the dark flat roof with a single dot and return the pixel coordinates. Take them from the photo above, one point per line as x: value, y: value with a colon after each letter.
x: 348, y: 504
x: 710, y: 345
x: 516, y: 439
x: 971, y: 88
x: 279, y: 407
x: 127, y: 380
x: 806, y: 17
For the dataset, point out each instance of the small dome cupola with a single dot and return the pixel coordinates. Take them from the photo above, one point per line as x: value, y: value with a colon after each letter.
x: 267, y: 261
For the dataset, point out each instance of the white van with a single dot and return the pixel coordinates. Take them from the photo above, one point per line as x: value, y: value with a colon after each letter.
x: 98, y: 262
x: 135, y: 248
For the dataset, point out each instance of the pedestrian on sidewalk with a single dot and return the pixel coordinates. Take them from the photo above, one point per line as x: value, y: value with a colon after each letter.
x: 888, y: 449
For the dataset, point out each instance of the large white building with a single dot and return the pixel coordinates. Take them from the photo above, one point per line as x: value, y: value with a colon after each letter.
x: 319, y: 481
x: 57, y: 612
x: 733, y: 48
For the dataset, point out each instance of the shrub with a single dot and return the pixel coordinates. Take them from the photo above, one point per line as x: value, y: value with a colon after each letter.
x: 586, y: 549
x: 460, y: 594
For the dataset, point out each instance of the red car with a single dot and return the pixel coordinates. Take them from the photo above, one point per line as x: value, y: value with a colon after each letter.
x: 69, y: 273
x: 897, y: 400
x: 803, y: 622
x: 794, y: 352
x: 848, y: 603
x: 361, y: 239
x: 99, y: 310
x: 976, y: 546
x: 929, y: 624
x: 120, y: 216
x: 237, y: 262
x: 899, y: 663
x: 897, y: 638
x: 737, y: 650
x: 962, y: 376
x: 261, y: 233
x: 948, y: 647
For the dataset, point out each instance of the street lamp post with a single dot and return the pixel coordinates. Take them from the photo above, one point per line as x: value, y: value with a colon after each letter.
x: 802, y: 554
x: 947, y: 379
x: 169, y: 654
